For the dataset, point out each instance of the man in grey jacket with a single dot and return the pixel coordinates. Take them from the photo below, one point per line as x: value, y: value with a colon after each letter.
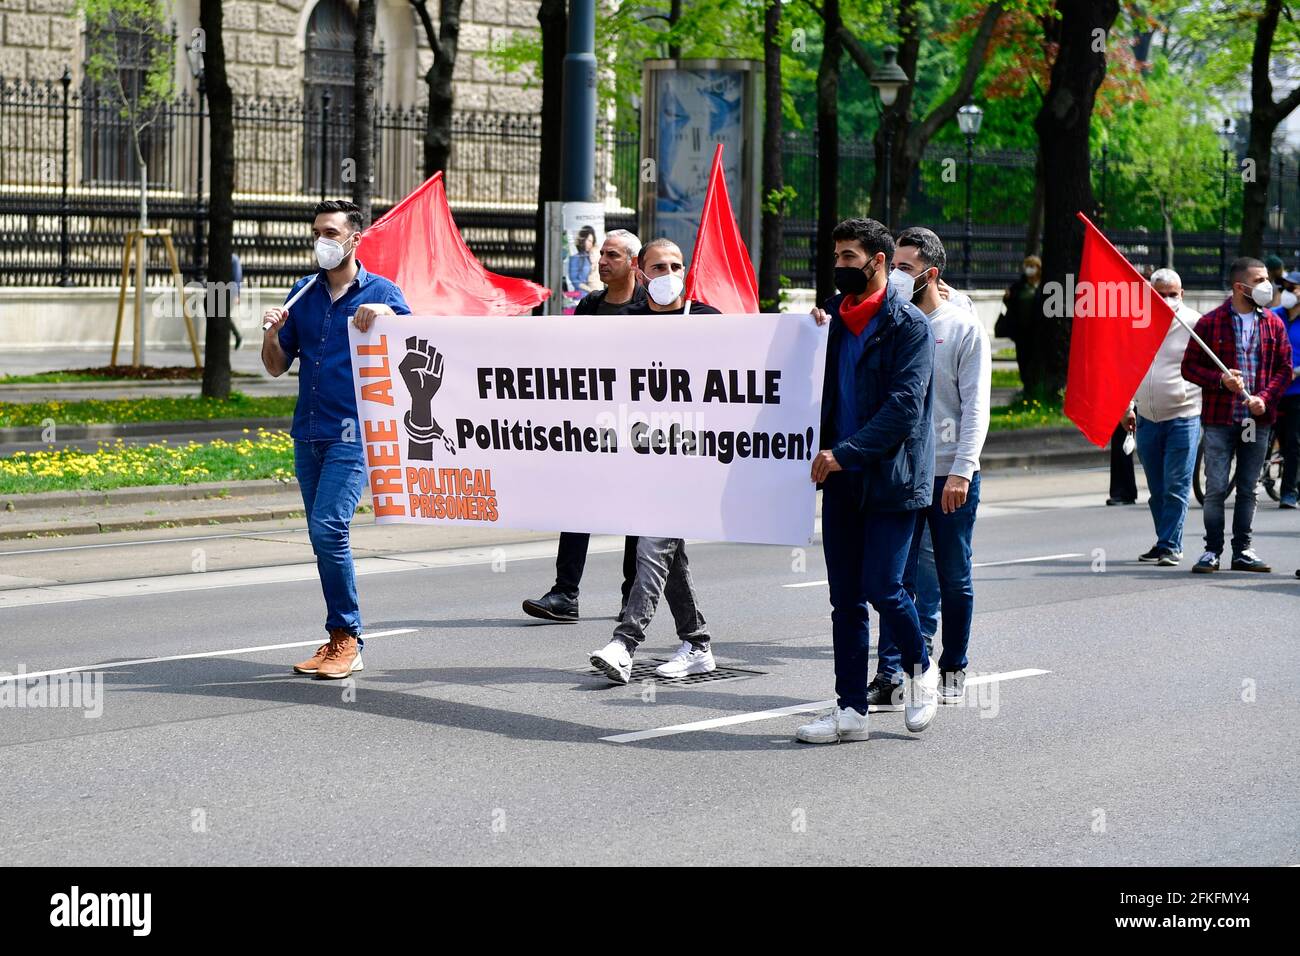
x: 1166, y: 416
x: 963, y: 373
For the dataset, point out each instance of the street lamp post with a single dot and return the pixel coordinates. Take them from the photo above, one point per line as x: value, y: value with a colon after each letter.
x: 1105, y: 175
x: 969, y: 118
x: 888, y: 79
x: 200, y: 77
x: 1225, y: 140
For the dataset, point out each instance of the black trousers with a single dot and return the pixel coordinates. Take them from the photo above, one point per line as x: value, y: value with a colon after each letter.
x: 1123, y: 483
x: 571, y: 558
x: 1288, y: 426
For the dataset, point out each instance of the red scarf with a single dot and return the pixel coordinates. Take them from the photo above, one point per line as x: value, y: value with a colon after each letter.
x: 858, y: 317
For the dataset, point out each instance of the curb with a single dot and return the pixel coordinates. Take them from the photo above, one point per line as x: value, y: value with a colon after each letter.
x: 55, y: 529
x: 32, y: 433
x: 118, y: 496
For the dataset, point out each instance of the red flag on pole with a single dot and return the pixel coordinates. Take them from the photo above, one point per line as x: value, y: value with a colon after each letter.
x: 722, y: 274
x: 1119, y: 323
x: 417, y: 245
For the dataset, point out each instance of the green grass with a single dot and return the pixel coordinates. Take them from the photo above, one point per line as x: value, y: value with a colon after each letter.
x: 268, y: 454
x: 94, y: 411
x: 78, y: 375
x: 1006, y: 378
x: 1027, y: 414
x: 1004, y: 355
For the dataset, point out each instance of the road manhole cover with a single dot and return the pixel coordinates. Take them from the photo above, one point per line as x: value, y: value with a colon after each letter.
x: 644, y: 670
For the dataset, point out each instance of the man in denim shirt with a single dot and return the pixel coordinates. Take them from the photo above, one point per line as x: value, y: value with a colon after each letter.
x: 329, y: 457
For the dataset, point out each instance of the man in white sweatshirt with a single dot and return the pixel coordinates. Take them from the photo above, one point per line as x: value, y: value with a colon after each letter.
x: 1166, y: 416
x: 963, y: 373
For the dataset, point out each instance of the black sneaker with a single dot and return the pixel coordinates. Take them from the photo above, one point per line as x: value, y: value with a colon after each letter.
x: 952, y: 687
x: 1207, y: 563
x: 884, y: 696
x: 1169, y: 559
x: 1120, y: 501
x: 553, y: 606
x: 1152, y: 556
x: 1249, y: 561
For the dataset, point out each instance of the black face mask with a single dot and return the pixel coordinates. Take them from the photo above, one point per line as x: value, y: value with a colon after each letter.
x: 851, y: 281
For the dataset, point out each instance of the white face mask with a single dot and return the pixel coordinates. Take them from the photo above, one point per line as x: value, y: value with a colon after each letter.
x: 665, y: 289
x: 1288, y: 299
x: 329, y: 253
x: 1262, y: 293
x: 1173, y: 301
x: 902, y: 284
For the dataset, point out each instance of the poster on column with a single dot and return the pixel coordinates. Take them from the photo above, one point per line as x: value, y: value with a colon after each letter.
x: 668, y: 426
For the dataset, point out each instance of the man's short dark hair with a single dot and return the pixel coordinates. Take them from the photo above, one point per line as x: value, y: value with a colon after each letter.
x: 872, y: 236
x: 1237, y: 271
x: 351, y: 209
x: 929, y: 246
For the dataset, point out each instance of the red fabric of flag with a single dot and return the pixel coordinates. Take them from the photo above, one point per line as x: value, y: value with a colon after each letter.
x: 417, y: 245
x: 1119, y: 323
x: 722, y: 274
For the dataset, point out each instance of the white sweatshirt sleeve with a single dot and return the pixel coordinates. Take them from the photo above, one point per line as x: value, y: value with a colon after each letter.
x: 974, y: 383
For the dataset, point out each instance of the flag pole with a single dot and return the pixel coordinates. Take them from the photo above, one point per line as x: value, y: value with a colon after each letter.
x: 1245, y: 395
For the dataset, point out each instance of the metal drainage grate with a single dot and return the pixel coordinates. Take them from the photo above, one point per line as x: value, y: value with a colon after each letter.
x: 644, y: 670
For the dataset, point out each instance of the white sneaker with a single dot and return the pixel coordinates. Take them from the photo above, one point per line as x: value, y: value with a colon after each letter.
x: 833, y: 726
x: 689, y: 659
x: 614, y: 661
x: 921, y: 700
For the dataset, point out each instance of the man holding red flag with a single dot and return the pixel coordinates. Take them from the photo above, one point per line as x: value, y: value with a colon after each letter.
x: 1239, y: 405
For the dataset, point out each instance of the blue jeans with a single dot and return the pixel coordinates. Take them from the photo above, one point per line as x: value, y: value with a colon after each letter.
x: 950, y: 535
x: 1168, y: 453
x: 1222, y: 444
x: 332, y: 476
x: 866, y: 559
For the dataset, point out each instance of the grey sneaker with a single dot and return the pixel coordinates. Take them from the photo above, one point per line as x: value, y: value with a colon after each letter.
x: 1169, y: 559
x: 1249, y: 561
x: 952, y: 686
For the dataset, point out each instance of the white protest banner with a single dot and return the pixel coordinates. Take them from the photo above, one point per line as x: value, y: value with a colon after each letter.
x: 699, y: 426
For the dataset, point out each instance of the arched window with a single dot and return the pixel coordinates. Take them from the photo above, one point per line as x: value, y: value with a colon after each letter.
x: 331, y: 34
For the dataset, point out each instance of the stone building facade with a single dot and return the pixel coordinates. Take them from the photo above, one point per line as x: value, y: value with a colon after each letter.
x: 281, y: 52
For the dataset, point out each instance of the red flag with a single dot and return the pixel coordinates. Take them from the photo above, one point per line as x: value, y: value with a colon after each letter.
x: 1119, y: 323
x: 721, y: 273
x: 417, y: 245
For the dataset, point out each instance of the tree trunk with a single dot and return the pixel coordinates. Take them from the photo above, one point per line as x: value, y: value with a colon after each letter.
x: 1265, y: 117
x: 910, y: 138
x: 773, y: 228
x: 553, y: 18
x: 1062, y: 125
x: 437, y: 136
x: 1169, y: 235
x: 828, y: 149
x: 1034, y: 231
x: 218, y: 302
x: 363, y: 109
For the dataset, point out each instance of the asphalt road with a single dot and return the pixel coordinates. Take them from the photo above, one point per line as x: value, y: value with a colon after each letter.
x: 1162, y: 731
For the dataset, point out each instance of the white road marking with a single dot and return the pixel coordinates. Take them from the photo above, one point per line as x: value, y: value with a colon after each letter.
x: 108, y: 665
x: 977, y: 564
x: 786, y: 711
x: 1046, y: 557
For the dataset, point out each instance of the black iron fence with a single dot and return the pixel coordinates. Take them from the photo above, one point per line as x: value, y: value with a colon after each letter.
x: 69, y: 189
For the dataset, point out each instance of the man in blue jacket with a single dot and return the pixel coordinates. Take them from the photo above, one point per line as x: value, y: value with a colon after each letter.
x: 876, y: 468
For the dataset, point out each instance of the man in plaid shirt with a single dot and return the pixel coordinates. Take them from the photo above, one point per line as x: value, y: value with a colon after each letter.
x: 1239, y: 406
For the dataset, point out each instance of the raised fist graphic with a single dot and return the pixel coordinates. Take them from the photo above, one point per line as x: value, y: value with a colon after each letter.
x: 421, y: 370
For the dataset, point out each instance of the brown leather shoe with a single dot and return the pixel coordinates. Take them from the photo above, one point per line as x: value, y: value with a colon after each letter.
x: 309, y: 666
x: 342, y: 657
